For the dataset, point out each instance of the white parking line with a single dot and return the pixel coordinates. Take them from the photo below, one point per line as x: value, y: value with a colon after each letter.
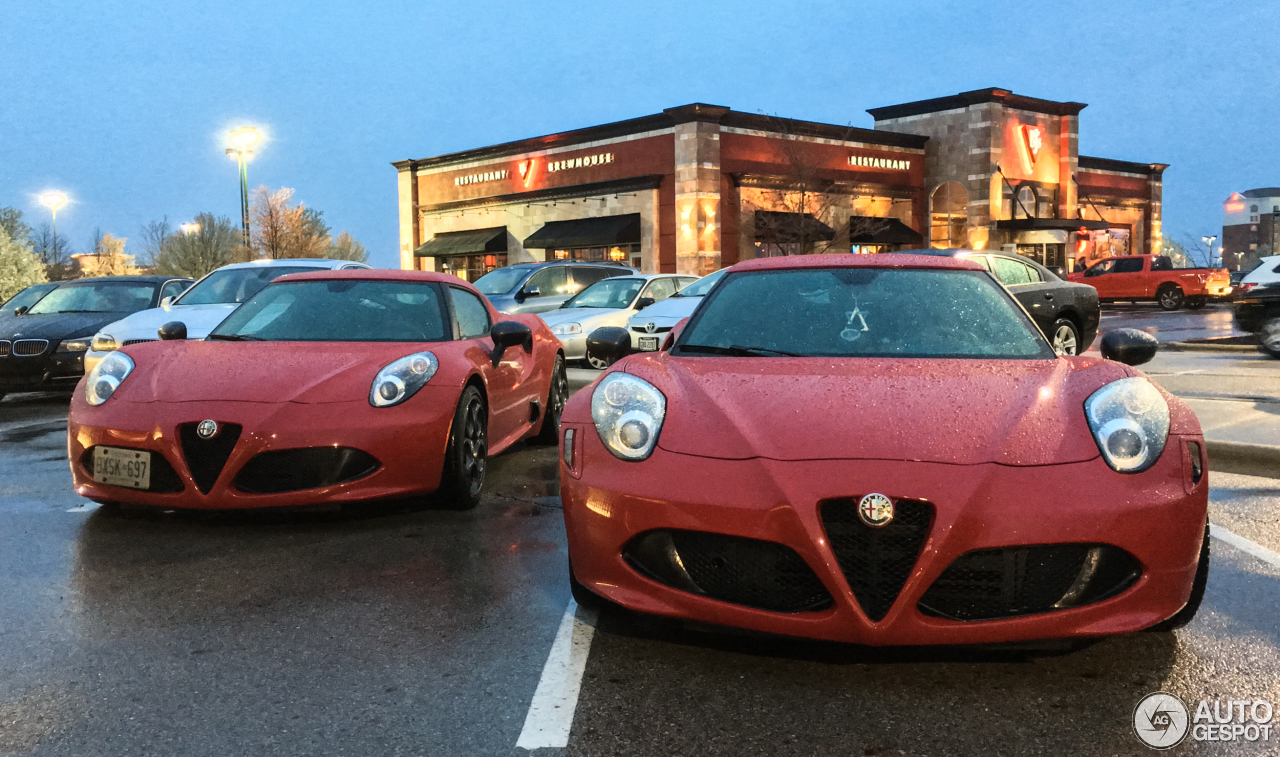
x: 1244, y: 545
x: 551, y: 711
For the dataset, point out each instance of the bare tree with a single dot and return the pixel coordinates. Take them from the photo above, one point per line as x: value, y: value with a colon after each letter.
x: 1197, y: 251
x: 281, y: 230
x: 154, y: 235
x: 54, y: 253
x: 214, y: 243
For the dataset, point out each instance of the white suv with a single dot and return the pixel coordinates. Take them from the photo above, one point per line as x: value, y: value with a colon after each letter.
x: 204, y: 305
x: 1267, y: 272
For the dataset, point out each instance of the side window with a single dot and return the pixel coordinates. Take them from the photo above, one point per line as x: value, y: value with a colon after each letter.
x: 1011, y: 272
x: 660, y: 289
x: 173, y: 289
x: 1161, y: 263
x: 1033, y: 275
x: 683, y: 282
x: 1128, y: 265
x: 470, y: 313
x: 1101, y: 268
x: 551, y: 281
x: 980, y: 260
x: 585, y: 276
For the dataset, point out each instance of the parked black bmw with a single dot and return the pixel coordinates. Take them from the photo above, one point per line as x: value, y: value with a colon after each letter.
x: 1065, y: 311
x: 42, y: 345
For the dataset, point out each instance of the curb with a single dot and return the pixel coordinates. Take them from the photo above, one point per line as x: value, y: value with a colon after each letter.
x: 1202, y: 347
x: 1248, y: 459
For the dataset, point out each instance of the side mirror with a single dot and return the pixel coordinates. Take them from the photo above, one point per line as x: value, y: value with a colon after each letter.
x: 21, y: 310
x: 609, y: 344
x: 1129, y: 346
x: 644, y: 302
x: 527, y: 292
x: 1095, y: 271
x: 165, y: 302
x: 509, y: 334
x: 173, y: 330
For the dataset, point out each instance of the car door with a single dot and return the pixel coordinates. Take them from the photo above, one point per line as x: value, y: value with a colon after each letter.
x: 586, y: 275
x: 507, y: 384
x: 1041, y: 295
x: 1024, y: 283
x: 1099, y: 276
x: 1126, y: 279
x: 546, y: 290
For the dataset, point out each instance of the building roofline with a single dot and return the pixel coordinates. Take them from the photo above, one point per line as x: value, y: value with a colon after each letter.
x: 668, y: 119
x: 1110, y: 164
x: 975, y: 97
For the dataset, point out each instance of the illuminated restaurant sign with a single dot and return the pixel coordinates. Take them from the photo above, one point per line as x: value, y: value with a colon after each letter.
x: 862, y: 161
x: 479, y: 178
x: 585, y: 161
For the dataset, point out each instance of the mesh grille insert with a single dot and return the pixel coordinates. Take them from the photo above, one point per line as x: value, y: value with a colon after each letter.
x: 206, y: 457
x: 876, y: 561
x: 292, y: 470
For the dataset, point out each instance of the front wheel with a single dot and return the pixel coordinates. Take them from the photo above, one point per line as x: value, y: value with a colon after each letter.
x: 1066, y: 339
x: 1269, y: 337
x: 1192, y: 606
x: 557, y: 395
x: 1170, y: 298
x: 1195, y: 303
x: 597, y: 363
x: 466, y: 460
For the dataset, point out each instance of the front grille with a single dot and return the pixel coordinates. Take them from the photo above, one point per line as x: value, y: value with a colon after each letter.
x: 876, y: 561
x: 128, y: 342
x: 30, y: 347
x: 5, y: 348
x: 292, y: 470
x: 643, y: 330
x: 206, y: 457
x: 1005, y: 583
x: 760, y: 574
x: 164, y: 479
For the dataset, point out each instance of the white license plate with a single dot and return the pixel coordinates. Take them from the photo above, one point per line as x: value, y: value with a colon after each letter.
x: 649, y: 343
x: 122, y: 467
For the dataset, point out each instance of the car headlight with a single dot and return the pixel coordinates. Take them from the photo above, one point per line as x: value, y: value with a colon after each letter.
x: 1129, y: 419
x: 106, y: 377
x: 104, y: 343
x: 402, y: 379
x: 565, y: 329
x: 628, y: 413
x: 73, y: 346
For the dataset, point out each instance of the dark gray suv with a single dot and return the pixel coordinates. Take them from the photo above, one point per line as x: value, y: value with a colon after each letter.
x: 539, y: 287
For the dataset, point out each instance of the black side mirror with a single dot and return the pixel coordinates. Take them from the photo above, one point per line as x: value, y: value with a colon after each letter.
x: 527, y: 292
x: 21, y: 310
x: 173, y: 330
x: 509, y: 334
x: 1129, y: 346
x: 610, y: 344
x: 644, y: 302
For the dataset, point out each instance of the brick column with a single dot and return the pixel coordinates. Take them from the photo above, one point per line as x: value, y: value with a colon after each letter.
x: 697, y: 190
x: 1153, y: 219
x: 1068, y: 166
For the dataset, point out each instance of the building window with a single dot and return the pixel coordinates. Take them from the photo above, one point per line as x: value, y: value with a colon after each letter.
x: 1253, y: 208
x: 1025, y: 207
x: 616, y: 253
x: 472, y: 267
x: 948, y: 216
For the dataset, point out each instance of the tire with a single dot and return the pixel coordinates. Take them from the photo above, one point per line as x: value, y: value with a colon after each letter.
x: 1192, y: 606
x: 557, y: 395
x: 596, y: 363
x: 1170, y: 298
x: 1065, y: 337
x: 1195, y: 303
x: 466, y: 458
x: 1269, y: 337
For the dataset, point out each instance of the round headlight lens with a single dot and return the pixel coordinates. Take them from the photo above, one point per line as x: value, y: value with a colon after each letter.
x: 106, y: 377
x: 1129, y: 419
x: 628, y: 414
x: 402, y: 379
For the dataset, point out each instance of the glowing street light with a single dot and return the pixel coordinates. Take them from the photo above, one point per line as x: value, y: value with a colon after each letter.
x: 54, y: 200
x: 1209, y: 241
x: 241, y: 151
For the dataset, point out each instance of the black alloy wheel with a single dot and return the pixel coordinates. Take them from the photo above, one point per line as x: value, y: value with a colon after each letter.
x: 1188, y: 611
x: 467, y: 458
x: 1065, y: 337
x: 557, y: 395
x: 1170, y: 298
x: 1195, y: 303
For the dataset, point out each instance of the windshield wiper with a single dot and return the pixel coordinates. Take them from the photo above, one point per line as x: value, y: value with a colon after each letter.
x: 735, y: 350
x: 234, y: 338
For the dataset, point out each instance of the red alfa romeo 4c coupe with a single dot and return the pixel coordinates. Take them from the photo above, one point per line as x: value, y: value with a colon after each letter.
x: 324, y: 388
x: 883, y: 450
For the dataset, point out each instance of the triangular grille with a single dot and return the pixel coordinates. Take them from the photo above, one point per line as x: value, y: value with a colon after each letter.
x: 876, y: 561
x: 206, y: 457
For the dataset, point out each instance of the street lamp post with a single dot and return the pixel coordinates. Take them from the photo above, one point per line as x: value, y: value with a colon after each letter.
x: 1209, y: 241
x: 53, y: 201
x: 241, y: 151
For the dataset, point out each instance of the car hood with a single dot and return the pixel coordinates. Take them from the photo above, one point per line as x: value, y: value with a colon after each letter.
x: 306, y: 372
x: 199, y: 319
x: 666, y: 312
x: 1012, y: 412
x: 588, y: 317
x: 55, y: 326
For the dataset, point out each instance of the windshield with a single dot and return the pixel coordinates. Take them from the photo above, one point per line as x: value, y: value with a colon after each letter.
x: 29, y: 296
x: 703, y: 285
x: 99, y: 297
x: 342, y: 310
x: 501, y: 280
x: 613, y: 293
x: 237, y: 284
x: 862, y: 312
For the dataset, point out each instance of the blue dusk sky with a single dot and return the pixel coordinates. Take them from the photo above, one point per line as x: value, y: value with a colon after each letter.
x: 125, y: 105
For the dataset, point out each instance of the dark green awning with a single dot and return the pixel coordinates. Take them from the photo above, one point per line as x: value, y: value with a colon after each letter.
x: 789, y: 228
x: 470, y: 242
x: 602, y: 231
x: 882, y: 231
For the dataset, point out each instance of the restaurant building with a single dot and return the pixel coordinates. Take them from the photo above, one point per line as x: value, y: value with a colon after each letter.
x: 699, y: 187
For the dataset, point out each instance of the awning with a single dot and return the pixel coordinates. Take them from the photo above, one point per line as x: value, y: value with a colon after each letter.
x: 864, y: 230
x: 601, y: 231
x: 789, y: 228
x: 470, y: 242
x: 1046, y: 224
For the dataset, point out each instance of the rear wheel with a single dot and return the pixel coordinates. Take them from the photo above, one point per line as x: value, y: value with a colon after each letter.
x: 1170, y: 298
x: 1189, y: 610
x: 1195, y: 303
x: 1269, y: 337
x: 1065, y: 337
x: 556, y: 397
x: 466, y: 460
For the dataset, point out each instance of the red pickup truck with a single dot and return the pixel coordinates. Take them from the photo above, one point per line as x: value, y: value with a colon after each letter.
x: 1153, y: 277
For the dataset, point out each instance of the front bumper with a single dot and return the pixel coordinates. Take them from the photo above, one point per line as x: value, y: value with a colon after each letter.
x: 408, y: 442
x: 1157, y: 517
x: 575, y: 346
x: 51, y: 370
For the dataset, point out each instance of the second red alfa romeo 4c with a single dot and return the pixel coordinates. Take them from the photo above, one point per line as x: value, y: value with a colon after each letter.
x: 885, y: 450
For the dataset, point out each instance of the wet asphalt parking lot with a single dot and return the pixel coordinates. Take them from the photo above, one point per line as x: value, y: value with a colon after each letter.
x: 404, y: 630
